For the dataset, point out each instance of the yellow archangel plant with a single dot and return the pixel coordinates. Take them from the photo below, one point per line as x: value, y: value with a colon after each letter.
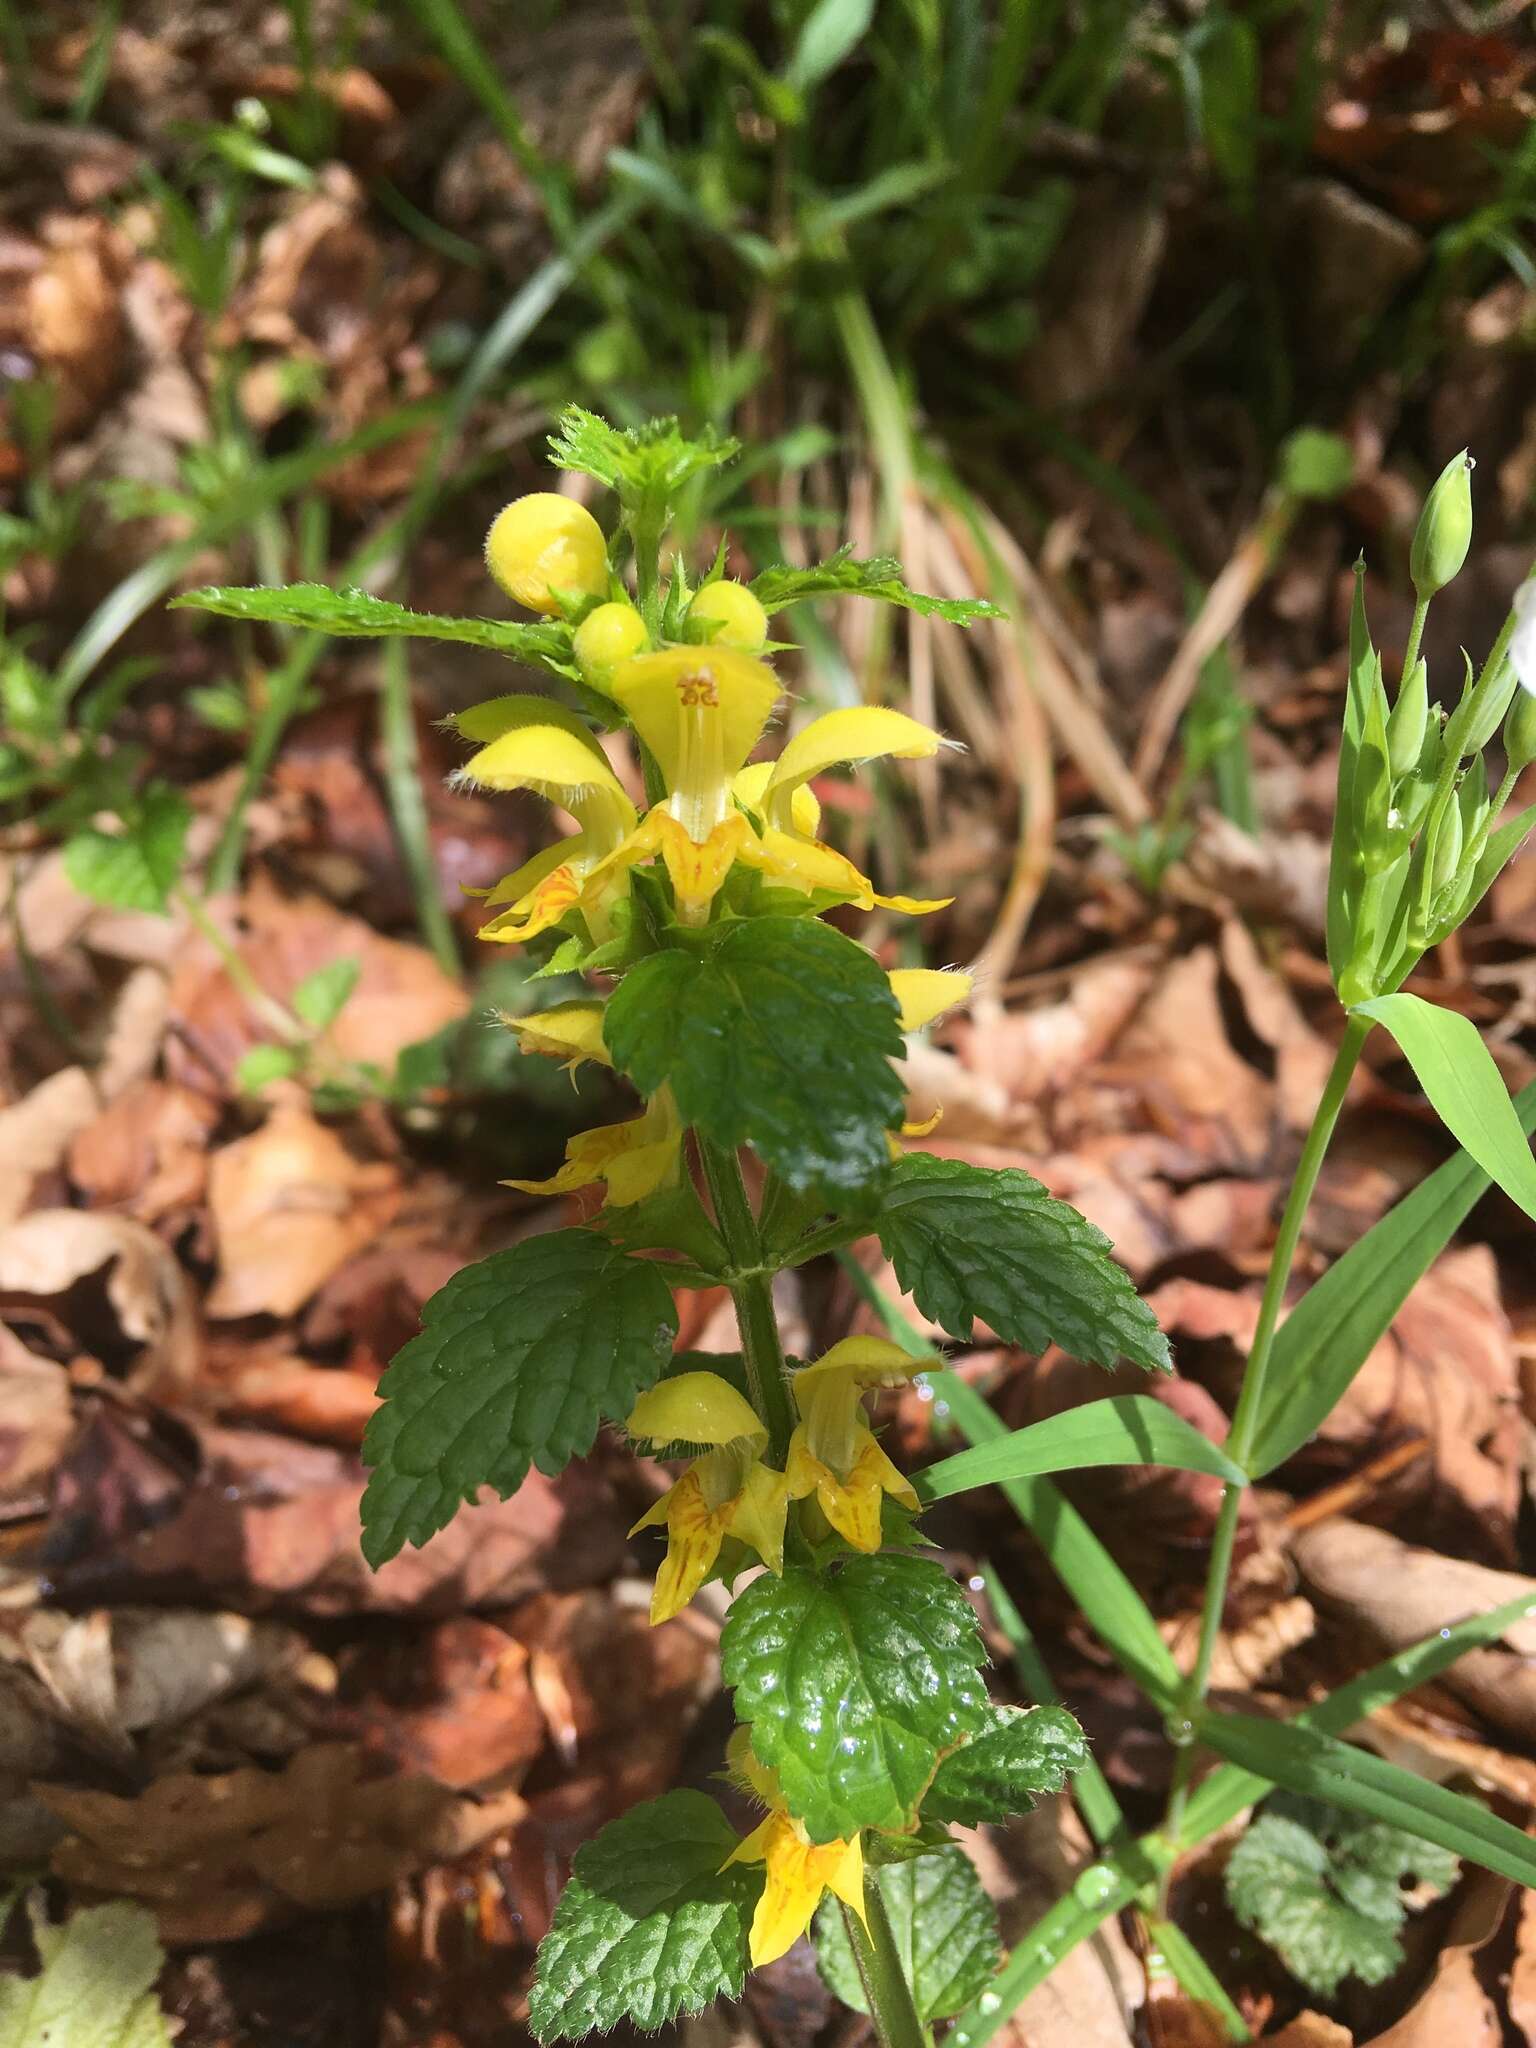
x: 678, y: 920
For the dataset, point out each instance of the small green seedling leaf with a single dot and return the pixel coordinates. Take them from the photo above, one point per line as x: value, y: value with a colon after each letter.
x: 879, y: 577
x: 137, y: 868
x: 1315, y: 464
x: 945, y: 1928
x: 518, y: 1360
x: 781, y: 1038
x: 1018, y: 1754
x: 264, y: 1063
x: 321, y: 997
x: 94, y: 1987
x: 968, y: 1241
x: 1456, y: 1071
x: 855, y: 1682
x: 652, y: 1924
x: 1329, y: 1891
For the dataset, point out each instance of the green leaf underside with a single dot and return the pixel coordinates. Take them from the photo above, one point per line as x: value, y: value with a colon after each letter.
x: 93, y: 1990
x: 879, y: 577
x: 651, y: 1924
x: 855, y: 1682
x: 1322, y: 1767
x: 518, y: 1360
x: 1127, y: 1429
x: 945, y: 1928
x: 969, y: 1241
x: 1325, y: 1889
x: 1017, y: 1755
x: 354, y: 615
x: 135, y: 869
x: 1327, y: 1337
x: 1456, y: 1071
x: 781, y: 1037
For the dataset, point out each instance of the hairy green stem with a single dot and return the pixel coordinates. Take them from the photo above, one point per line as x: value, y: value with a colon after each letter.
x: 1245, y: 1420
x: 880, y: 1972
x: 752, y: 1291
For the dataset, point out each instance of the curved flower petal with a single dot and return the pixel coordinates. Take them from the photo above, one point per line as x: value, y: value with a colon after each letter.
x: 695, y: 1408
x: 749, y: 786
x: 524, y: 880
x: 860, y: 733
x: 695, y: 1532
x: 568, y: 1031
x: 540, y: 746
x: 634, y: 1158
x: 923, y: 993
x: 799, y: 1872
x: 679, y: 688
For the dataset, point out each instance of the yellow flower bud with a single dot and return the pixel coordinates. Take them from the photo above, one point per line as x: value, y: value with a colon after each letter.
x: 542, y: 544
x: 731, y: 606
x: 611, y: 633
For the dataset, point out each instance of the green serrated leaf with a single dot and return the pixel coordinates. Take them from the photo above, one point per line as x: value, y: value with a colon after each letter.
x: 1016, y: 1755
x: 945, y: 1928
x: 652, y: 461
x: 94, y: 1987
x: 137, y: 868
x: 321, y: 997
x: 879, y: 577
x: 264, y: 1063
x: 1328, y: 1891
x: 780, y: 1037
x: 968, y: 1241
x: 855, y: 1682
x: 652, y: 1924
x: 519, y: 1358
x: 354, y: 615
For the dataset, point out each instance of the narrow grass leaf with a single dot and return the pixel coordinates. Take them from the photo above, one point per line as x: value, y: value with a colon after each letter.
x: 1322, y: 1767
x: 1327, y: 1337
x: 1127, y: 1429
x: 1456, y: 1071
x: 1106, y: 1596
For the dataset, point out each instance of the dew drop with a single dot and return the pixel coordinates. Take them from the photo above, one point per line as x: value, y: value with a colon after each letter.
x: 989, y: 2002
x: 976, y: 1582
x: 1445, y: 1635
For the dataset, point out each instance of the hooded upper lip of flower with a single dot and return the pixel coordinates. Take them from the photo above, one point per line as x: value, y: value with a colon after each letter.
x: 834, y: 1453
x: 728, y: 1491
x: 798, y: 1871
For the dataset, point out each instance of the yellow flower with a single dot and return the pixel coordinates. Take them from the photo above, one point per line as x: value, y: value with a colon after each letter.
x: 611, y: 633
x: 727, y: 1492
x: 924, y: 993
x: 700, y: 711
x: 572, y: 1032
x: 532, y: 743
x: 634, y: 1158
x: 737, y: 615
x: 544, y: 544
x: 834, y: 1453
x: 798, y: 1871
x: 790, y: 814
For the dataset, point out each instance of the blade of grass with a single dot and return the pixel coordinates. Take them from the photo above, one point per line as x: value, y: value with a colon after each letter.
x: 407, y: 803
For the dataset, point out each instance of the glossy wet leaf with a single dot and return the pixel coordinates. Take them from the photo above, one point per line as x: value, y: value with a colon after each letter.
x: 781, y: 1037
x: 854, y: 1682
x: 969, y: 1241
x: 1017, y: 1755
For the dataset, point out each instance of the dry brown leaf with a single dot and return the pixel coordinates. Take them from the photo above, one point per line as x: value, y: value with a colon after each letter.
x: 147, y: 1152
x: 290, y: 1204
x: 1302, y: 1057
x: 37, y: 1132
x: 1401, y: 1594
x: 1453, y: 2008
x: 1310, y: 2030
x: 1522, y: 1976
x: 1030, y: 1053
x: 217, y: 1857
x: 455, y: 1703
x: 44, y: 1256
x: 135, y: 1032
x: 113, y: 1675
